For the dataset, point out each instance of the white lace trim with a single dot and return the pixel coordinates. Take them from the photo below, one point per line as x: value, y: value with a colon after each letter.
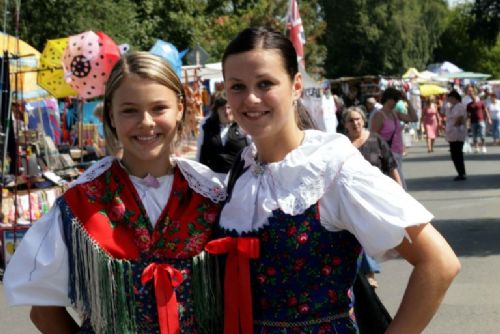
x: 292, y: 185
x: 202, y: 179
x: 94, y: 171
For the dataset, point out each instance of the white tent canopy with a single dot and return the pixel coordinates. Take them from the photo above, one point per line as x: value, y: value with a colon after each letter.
x: 444, y: 67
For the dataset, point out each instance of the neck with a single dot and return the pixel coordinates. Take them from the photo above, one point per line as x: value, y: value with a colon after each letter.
x: 270, y: 150
x: 357, y: 139
x: 145, y: 168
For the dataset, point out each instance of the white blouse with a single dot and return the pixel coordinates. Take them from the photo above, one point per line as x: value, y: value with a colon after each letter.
x: 326, y: 168
x: 38, y: 272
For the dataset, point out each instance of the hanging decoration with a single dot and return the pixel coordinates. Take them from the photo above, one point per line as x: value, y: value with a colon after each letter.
x: 87, y: 60
x: 50, y: 72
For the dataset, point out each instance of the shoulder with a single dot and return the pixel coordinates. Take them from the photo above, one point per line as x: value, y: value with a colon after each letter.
x: 202, y: 179
x: 93, y: 172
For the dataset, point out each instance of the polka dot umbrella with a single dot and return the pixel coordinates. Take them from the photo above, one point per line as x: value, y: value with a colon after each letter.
x: 88, y: 60
x: 50, y: 71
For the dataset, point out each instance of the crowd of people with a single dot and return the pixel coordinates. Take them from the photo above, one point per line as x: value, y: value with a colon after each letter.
x: 134, y: 244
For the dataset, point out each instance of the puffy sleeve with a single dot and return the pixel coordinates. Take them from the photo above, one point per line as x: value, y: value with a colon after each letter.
x: 371, y: 206
x: 38, y: 272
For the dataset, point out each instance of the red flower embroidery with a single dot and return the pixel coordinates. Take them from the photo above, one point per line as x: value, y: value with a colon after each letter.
x: 336, y: 261
x: 117, y: 210
x: 291, y: 230
x: 303, y: 308
x: 271, y: 271
x: 261, y: 279
x: 302, y: 238
x: 292, y: 301
x: 326, y: 270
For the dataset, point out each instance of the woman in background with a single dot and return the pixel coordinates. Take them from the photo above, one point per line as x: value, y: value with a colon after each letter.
x: 430, y: 121
x: 220, y: 138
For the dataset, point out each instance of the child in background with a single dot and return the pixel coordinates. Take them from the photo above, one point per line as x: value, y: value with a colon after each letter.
x: 123, y: 245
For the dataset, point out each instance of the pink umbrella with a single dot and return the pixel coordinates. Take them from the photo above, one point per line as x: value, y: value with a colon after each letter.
x: 87, y: 60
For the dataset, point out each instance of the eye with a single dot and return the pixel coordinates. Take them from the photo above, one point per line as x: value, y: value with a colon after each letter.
x: 265, y: 84
x: 237, y: 87
x: 128, y: 111
x: 160, y: 108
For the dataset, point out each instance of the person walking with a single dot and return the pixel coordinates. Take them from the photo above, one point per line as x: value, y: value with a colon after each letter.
x: 430, y: 121
x: 493, y: 107
x: 302, y: 206
x: 479, y: 117
x: 123, y: 245
x: 387, y: 124
x: 456, y: 117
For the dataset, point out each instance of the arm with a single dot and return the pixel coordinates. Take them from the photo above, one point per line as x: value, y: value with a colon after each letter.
x: 487, y: 114
x: 412, y: 114
x: 377, y: 121
x: 435, y: 266
x: 394, y: 174
x: 53, y: 319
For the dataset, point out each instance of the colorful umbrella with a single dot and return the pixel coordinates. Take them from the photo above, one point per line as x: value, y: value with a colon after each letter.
x: 23, y: 67
x: 428, y: 90
x: 50, y: 72
x: 170, y: 53
x: 88, y: 60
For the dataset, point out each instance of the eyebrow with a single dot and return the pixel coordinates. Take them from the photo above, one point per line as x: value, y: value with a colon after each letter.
x: 258, y: 77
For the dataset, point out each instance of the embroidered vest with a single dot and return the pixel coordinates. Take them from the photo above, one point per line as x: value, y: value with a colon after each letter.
x: 111, y: 242
x: 303, y: 278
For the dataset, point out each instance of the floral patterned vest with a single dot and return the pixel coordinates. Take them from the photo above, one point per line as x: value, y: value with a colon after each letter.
x: 302, y: 281
x: 111, y: 240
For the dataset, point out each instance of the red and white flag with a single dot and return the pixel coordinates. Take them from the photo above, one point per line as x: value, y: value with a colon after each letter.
x: 297, y: 36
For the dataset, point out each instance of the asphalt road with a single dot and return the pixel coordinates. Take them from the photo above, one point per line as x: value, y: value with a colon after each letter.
x: 467, y: 214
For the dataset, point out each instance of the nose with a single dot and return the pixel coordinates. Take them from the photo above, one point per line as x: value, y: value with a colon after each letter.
x: 252, y: 98
x: 147, y: 119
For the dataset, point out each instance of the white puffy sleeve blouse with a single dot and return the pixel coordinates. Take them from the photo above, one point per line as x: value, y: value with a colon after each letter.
x: 326, y: 168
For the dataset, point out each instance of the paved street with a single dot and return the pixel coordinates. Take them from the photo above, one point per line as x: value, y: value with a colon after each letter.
x: 467, y: 213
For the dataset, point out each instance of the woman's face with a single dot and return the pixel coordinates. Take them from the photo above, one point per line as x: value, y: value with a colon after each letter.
x: 261, y: 94
x: 145, y: 114
x: 225, y: 114
x: 354, y: 124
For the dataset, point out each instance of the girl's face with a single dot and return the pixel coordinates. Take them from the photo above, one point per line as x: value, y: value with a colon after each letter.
x: 354, y: 124
x: 261, y: 94
x: 145, y: 114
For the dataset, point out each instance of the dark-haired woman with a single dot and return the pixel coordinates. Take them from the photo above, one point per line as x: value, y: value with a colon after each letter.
x: 456, y: 116
x: 220, y: 138
x: 302, y: 208
x: 387, y: 124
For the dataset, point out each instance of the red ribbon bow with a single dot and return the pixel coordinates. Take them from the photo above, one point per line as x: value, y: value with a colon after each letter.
x: 166, y: 278
x: 237, y: 291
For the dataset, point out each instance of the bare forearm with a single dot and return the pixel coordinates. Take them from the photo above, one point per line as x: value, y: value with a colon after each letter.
x: 435, y: 266
x: 416, y: 311
x: 53, y: 320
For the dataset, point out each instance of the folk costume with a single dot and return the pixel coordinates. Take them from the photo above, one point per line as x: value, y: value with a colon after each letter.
x: 294, y: 231
x: 125, y: 252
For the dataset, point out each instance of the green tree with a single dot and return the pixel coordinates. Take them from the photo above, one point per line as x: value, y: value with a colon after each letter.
x: 458, y: 46
x: 42, y: 20
x: 380, y: 37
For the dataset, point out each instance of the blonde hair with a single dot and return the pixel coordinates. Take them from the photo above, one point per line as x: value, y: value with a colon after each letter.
x: 350, y: 110
x: 146, y: 66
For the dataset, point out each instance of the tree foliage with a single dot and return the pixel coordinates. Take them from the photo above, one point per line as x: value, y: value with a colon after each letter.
x: 343, y: 37
x: 383, y: 37
x: 462, y: 48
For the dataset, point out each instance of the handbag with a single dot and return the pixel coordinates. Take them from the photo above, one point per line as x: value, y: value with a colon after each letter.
x: 371, y: 315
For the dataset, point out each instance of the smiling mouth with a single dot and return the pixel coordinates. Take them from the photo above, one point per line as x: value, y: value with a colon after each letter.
x: 147, y: 139
x: 255, y: 114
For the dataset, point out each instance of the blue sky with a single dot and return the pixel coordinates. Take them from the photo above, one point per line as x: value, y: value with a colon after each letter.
x: 453, y: 2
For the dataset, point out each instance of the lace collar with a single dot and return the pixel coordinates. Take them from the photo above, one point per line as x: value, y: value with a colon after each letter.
x: 291, y: 185
x: 199, y: 177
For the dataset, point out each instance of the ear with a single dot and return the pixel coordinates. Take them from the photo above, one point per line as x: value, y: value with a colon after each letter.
x: 297, y: 86
x: 180, y: 109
